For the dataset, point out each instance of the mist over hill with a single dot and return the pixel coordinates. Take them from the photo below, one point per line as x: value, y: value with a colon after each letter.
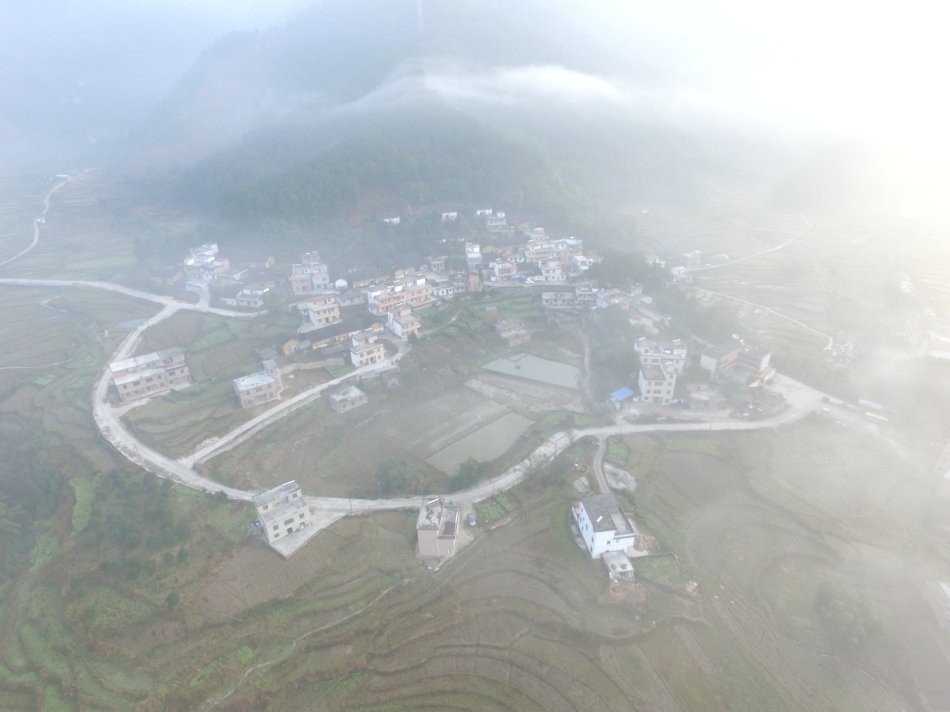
x: 475, y: 101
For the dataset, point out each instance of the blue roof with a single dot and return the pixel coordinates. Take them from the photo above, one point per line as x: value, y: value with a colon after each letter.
x: 621, y: 394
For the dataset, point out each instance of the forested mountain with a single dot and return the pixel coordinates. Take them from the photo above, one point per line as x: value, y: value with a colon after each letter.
x: 360, y: 102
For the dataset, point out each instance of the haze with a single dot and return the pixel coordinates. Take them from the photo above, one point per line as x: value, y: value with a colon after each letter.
x: 474, y: 354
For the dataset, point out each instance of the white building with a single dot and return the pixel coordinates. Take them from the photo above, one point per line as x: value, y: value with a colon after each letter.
x: 142, y: 376
x: 603, y: 525
x: 473, y: 254
x: 347, y: 399
x: 365, y: 349
x: 310, y: 275
x: 324, y: 311
x: 261, y: 387
x: 403, y: 322
x: 282, y: 511
x: 551, y: 271
x: 656, y: 384
x: 670, y: 354
x: 437, y: 528
x: 502, y: 270
x: 202, y: 263
x: 251, y: 297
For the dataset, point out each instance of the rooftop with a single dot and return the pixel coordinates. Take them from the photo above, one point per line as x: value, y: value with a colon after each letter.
x: 436, y: 514
x: 274, y: 493
x: 621, y: 394
x: 261, y: 378
x: 719, y: 350
x: 347, y: 394
x: 144, y: 359
x: 605, y: 514
x: 653, y: 372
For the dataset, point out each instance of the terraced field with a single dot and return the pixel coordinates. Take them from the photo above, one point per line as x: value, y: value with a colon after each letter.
x: 217, y: 350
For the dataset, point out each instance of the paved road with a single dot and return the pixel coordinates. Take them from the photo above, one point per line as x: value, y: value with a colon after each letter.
x: 246, y: 430
x: 801, y: 400
x: 37, y: 221
x: 774, y: 248
x: 162, y: 299
x: 764, y: 308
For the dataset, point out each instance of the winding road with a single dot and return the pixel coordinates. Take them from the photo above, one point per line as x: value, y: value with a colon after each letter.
x: 801, y: 400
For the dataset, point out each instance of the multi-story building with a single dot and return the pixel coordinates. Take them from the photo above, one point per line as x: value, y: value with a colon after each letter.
x: 669, y: 354
x: 250, y: 297
x: 202, y: 263
x: 602, y: 525
x: 437, y: 528
x: 473, y: 254
x: 551, y: 271
x: 366, y: 349
x: 324, y: 311
x: 403, y: 322
x: 282, y: 511
x: 413, y: 292
x: 310, y: 275
x: 717, y: 359
x: 656, y: 384
x: 261, y: 387
x: 502, y: 270
x: 146, y: 375
x: 496, y: 222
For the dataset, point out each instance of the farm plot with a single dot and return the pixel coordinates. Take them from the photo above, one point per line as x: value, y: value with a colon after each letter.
x: 486, y: 443
x: 538, y: 369
x: 217, y: 350
x: 78, y: 239
x: 779, y: 522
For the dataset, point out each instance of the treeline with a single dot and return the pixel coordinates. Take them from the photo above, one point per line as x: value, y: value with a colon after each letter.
x: 412, y: 161
x: 31, y: 490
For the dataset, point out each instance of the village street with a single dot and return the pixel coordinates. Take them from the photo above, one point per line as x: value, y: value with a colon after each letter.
x: 801, y: 400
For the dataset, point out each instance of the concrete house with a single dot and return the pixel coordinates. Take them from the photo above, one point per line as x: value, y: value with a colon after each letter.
x: 202, y: 263
x: 502, y: 270
x: 656, y: 384
x: 309, y: 275
x: 717, y: 359
x: 282, y: 511
x: 669, y: 354
x: 437, y: 528
x: 366, y: 349
x: 412, y: 291
x: 403, y: 322
x: 323, y: 311
x: 473, y: 254
x: 261, y: 387
x: 551, y: 271
x: 347, y: 399
x: 603, y: 525
x: 146, y: 375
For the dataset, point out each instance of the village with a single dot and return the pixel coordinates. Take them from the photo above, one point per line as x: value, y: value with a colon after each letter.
x: 359, y: 325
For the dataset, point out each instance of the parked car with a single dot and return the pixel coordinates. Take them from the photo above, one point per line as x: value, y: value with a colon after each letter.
x: 472, y: 521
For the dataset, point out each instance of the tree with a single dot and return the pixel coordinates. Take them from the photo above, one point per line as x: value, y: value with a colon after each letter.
x: 172, y: 599
x: 468, y: 473
x: 394, y: 476
x: 848, y: 616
